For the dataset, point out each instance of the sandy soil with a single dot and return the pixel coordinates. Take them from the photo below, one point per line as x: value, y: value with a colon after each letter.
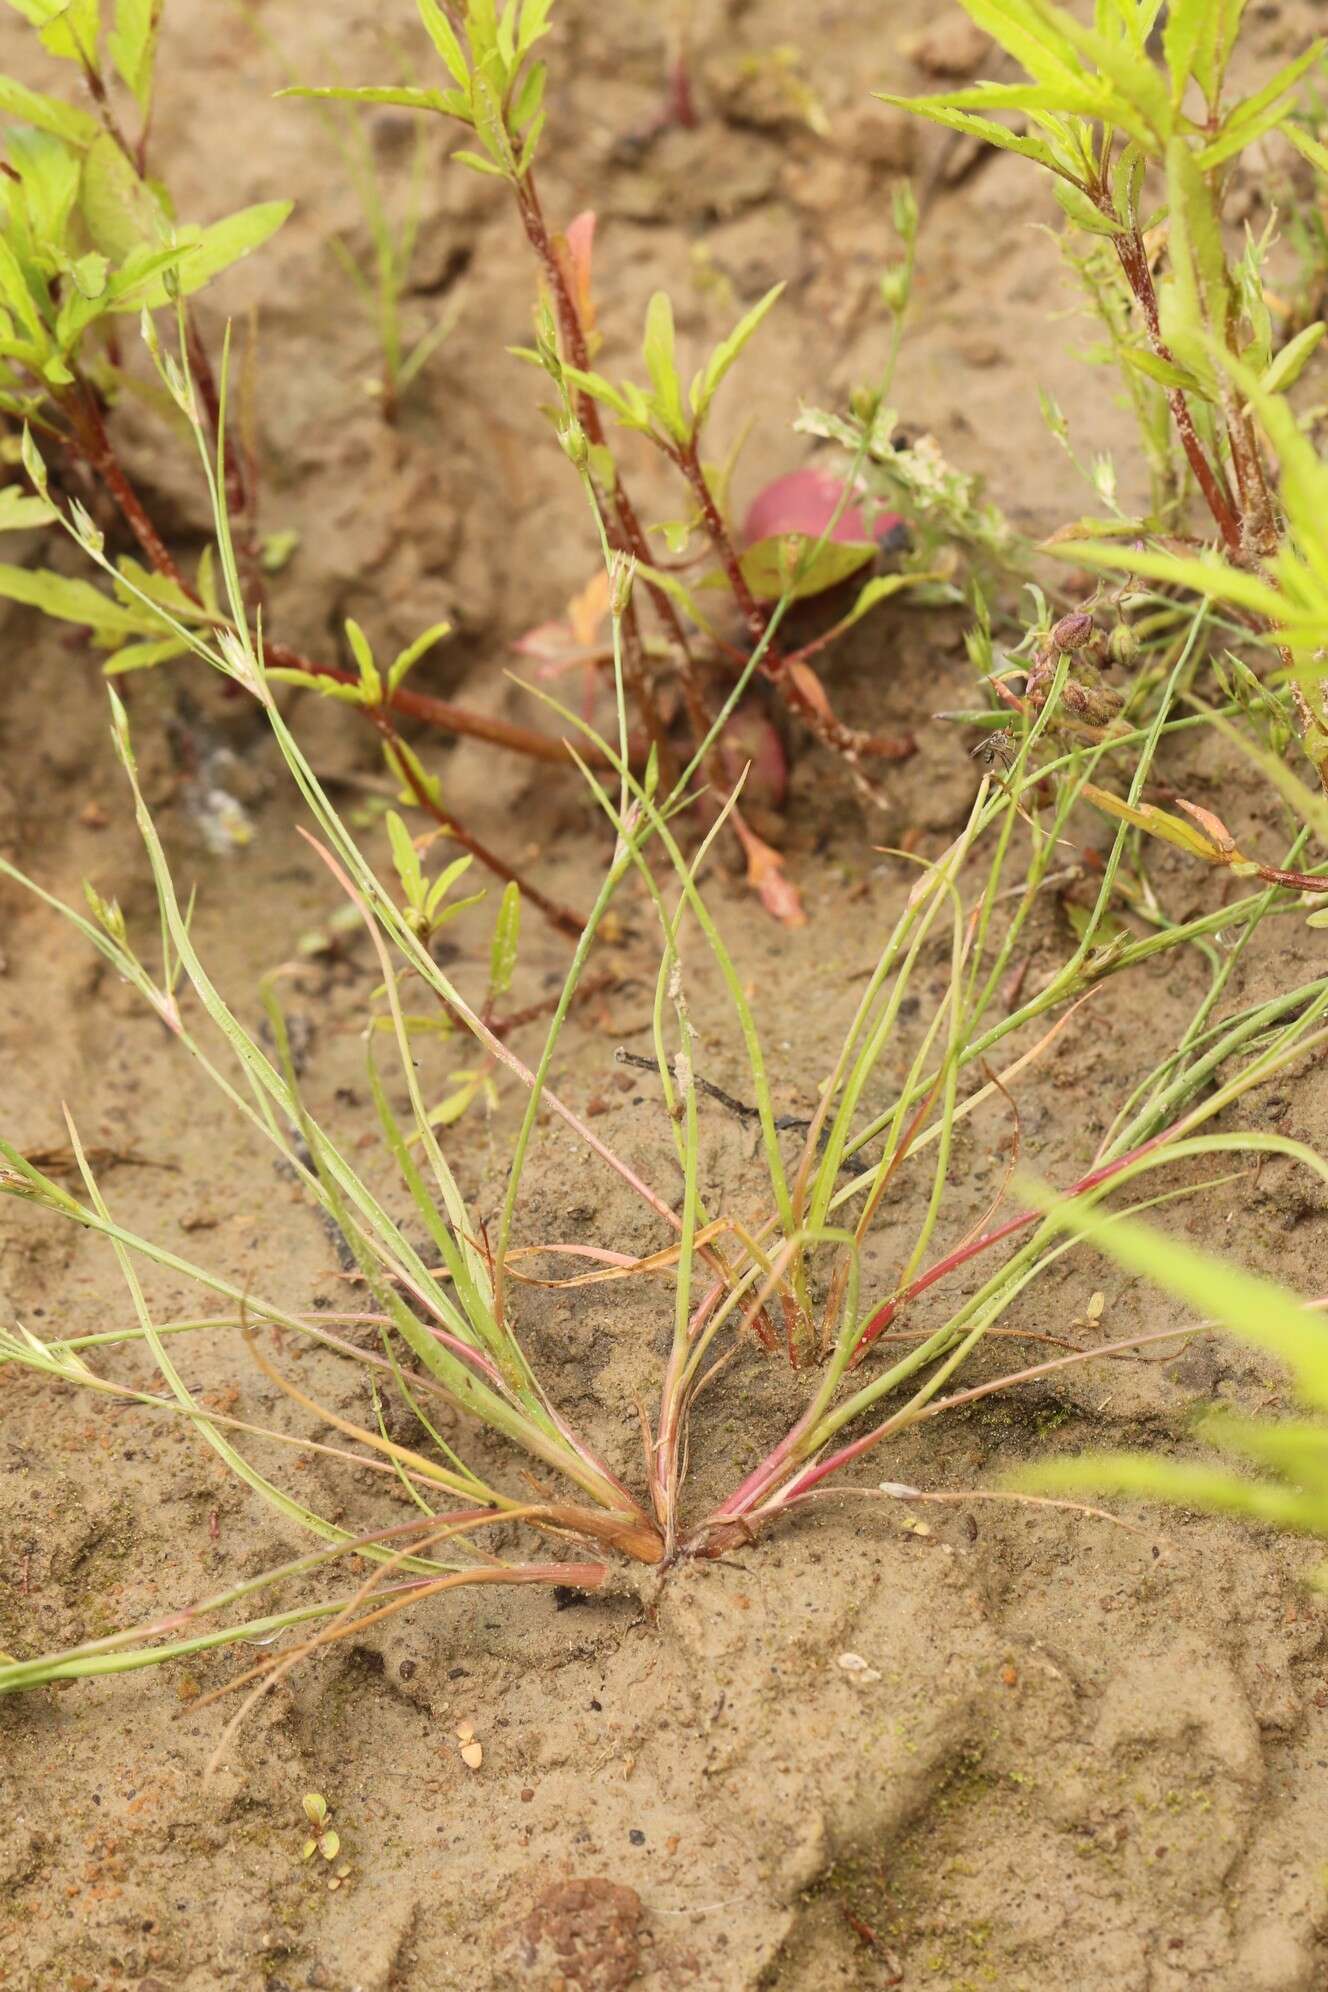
x: 1091, y: 1757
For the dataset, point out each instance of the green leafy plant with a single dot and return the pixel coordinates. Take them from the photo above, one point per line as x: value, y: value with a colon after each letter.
x: 1289, y: 1488
x: 325, y: 1839
x: 107, y: 242
x: 392, y: 217
x: 495, y: 91
x: 1114, y: 111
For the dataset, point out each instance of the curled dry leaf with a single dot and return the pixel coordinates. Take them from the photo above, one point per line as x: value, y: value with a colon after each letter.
x: 765, y: 875
x: 1212, y: 826
x: 810, y: 686
x: 574, y: 249
x: 577, y: 638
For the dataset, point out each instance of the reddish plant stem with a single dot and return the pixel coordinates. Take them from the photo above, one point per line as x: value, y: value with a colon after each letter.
x: 812, y: 710
x: 624, y: 529
x: 763, y: 1480
x: 91, y: 443
x: 448, y: 717
x: 98, y: 92
x: 627, y: 534
x: 561, y: 917
x: 94, y: 445
x: 821, y: 1469
x: 1133, y: 258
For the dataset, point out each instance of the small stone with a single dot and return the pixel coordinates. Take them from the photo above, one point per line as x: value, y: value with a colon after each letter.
x: 637, y: 1837
x: 955, y: 48
x: 472, y: 1755
x: 859, y: 1671
x: 881, y: 137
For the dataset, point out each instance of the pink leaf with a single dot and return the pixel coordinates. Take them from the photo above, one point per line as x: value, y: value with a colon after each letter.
x: 803, y: 501
x: 574, y: 249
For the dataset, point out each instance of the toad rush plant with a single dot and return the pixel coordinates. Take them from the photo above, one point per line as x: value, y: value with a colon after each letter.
x: 802, y: 1283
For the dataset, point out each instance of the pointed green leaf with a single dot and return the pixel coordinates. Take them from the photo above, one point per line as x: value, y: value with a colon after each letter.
x: 67, y: 601
x: 1019, y: 28
x: 534, y: 23
x: 506, y: 934
x: 208, y: 251
x: 598, y: 389
x: 371, y: 683
x: 1166, y: 372
x: 479, y: 164
x: 1254, y: 1310
x: 1185, y: 1484
x: 24, y: 106
x: 526, y: 156
x: 768, y: 567
x: 406, y: 859
x: 443, y: 884
x: 142, y: 656
x: 49, y: 171
x: 727, y: 351
x: 19, y: 510
x: 1134, y: 81
x: 662, y: 366
x: 1198, y: 256
x: 879, y: 589
x: 529, y: 97
x: 132, y: 43
x: 1213, y: 580
x: 1310, y: 148
x: 1080, y: 97
x: 119, y: 210
x: 936, y: 109
x: 1258, y: 114
x: 1084, y: 213
x: 444, y: 38
x: 411, y: 655
x: 369, y: 93
x: 1290, y: 363
x: 1181, y: 40
x: 69, y: 28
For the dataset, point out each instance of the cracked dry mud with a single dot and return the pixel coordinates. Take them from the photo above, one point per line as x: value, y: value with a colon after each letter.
x: 1077, y: 1756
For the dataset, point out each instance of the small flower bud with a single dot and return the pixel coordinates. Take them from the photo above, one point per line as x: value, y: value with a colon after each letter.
x: 32, y: 461
x: 1072, y: 632
x: 1123, y: 645
x: 895, y: 287
x: 573, y: 439
x: 622, y: 577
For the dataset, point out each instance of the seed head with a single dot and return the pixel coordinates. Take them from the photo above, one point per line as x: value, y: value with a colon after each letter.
x: 1072, y: 632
